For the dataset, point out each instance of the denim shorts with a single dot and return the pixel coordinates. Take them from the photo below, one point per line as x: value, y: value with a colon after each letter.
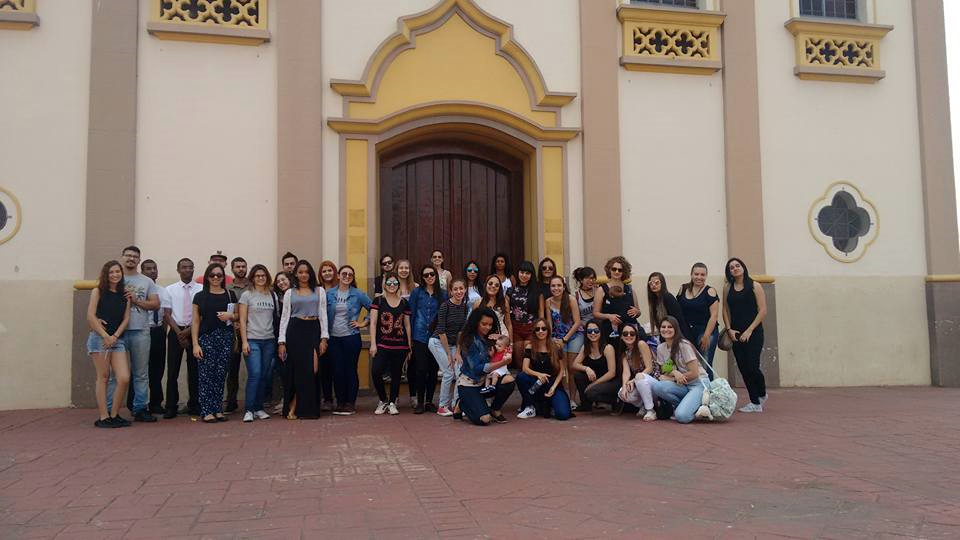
x: 575, y: 344
x: 95, y: 344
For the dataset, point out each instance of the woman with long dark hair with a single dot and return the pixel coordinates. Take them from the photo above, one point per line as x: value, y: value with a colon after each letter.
x: 700, y: 304
x: 615, y: 302
x: 661, y: 303
x: 541, y: 378
x: 638, y: 371
x: 500, y: 267
x: 682, y: 382
x: 526, y: 304
x: 492, y: 297
x: 425, y: 301
x: 472, y: 281
x: 212, y: 332
x: 473, y: 347
x: 563, y: 318
x: 545, y: 271
x: 444, y: 277
x: 303, y: 338
x: 258, y: 336
x: 595, y: 368
x: 281, y: 282
x: 108, y: 313
x: 344, y: 304
x: 744, y: 308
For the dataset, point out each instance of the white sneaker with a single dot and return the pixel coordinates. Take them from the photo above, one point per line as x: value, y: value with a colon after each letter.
x: 413, y: 403
x: 573, y: 405
x: 261, y: 414
x: 278, y: 409
x: 650, y: 416
x: 640, y: 412
x: 381, y: 408
x: 763, y: 399
x: 528, y: 412
x: 751, y: 407
x: 248, y: 416
x: 392, y: 408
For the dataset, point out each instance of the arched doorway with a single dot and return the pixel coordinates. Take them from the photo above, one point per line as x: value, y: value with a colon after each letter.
x: 462, y: 197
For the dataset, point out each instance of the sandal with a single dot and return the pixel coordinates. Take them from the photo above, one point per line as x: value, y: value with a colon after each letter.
x: 209, y: 419
x: 221, y: 418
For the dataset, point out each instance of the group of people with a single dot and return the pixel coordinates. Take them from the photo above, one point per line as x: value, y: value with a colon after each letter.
x: 480, y: 335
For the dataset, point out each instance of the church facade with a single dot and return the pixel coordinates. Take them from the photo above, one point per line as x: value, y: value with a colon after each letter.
x: 809, y: 138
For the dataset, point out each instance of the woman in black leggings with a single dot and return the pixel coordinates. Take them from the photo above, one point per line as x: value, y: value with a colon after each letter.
x: 744, y: 307
x: 390, y: 341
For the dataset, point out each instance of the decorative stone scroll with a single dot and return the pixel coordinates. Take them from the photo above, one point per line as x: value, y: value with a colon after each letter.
x: 829, y: 50
x: 18, y: 14
x: 672, y: 40
x: 239, y: 22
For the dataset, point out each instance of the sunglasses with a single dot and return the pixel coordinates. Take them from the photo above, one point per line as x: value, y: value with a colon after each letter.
x: 546, y: 268
x: 393, y: 283
x: 437, y: 257
x: 628, y: 334
x: 540, y: 329
x: 593, y: 331
x: 386, y: 263
x: 616, y: 269
x: 346, y: 274
x: 216, y: 276
x: 429, y: 274
x: 473, y: 269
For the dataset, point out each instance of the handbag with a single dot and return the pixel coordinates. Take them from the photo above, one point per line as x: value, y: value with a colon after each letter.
x: 725, y: 343
x: 719, y: 400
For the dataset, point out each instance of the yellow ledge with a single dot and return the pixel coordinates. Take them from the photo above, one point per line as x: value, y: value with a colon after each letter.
x: 85, y: 284
x: 810, y: 35
x: 765, y: 279
x: 18, y: 20
x: 208, y: 33
x: 943, y: 278
x: 454, y: 109
x: 670, y: 40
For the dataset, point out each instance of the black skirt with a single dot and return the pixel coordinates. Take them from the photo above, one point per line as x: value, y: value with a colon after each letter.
x: 299, y: 377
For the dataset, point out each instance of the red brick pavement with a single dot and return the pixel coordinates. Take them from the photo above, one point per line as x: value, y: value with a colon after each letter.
x: 828, y: 463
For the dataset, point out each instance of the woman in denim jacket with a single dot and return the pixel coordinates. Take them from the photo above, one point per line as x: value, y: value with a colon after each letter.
x: 344, y: 303
x: 473, y: 348
x: 424, y: 303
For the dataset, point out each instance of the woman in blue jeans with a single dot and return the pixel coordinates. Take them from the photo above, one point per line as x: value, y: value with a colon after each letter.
x: 543, y: 373
x: 683, y: 385
x: 451, y: 318
x: 344, y: 303
x: 258, y: 306
x: 473, y: 347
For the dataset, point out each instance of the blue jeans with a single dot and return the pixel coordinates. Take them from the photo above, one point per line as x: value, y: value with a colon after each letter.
x: 259, y: 372
x: 685, y: 399
x: 137, y: 343
x: 345, y: 353
x: 697, y: 332
x: 448, y: 384
x: 559, y: 401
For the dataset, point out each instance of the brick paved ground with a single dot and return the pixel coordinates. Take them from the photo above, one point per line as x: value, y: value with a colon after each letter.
x: 835, y: 463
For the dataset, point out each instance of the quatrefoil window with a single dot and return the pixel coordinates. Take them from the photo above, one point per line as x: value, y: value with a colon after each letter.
x: 844, y: 222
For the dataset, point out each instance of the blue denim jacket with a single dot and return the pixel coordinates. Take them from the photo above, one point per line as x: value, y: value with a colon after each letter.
x: 476, y: 359
x: 356, y: 300
x: 423, y: 308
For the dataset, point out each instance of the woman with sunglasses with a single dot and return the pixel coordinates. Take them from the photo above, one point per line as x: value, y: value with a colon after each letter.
x: 472, y: 280
x: 616, y: 301
x: 595, y: 369
x: 539, y: 382
x: 451, y: 318
x: 425, y: 301
x: 390, y: 341
x: 344, y: 304
x: 526, y: 304
x: 303, y: 339
x: 212, y: 331
x: 258, y: 336
x: 683, y: 382
x: 386, y: 266
x: 500, y: 267
x: 494, y: 299
x: 444, y: 277
x: 473, y: 346
x: 564, y: 322
x: 661, y: 303
x: 638, y: 372
x: 545, y: 271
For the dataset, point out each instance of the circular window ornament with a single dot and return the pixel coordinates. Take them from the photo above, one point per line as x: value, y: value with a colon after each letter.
x: 844, y: 222
x: 9, y: 215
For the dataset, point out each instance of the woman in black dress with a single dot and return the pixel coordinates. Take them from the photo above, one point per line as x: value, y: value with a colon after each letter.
x: 744, y: 308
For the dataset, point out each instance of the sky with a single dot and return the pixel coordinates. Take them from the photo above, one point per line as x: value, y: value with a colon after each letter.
x: 952, y: 21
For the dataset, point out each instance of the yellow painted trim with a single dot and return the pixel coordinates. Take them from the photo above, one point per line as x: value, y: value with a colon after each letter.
x: 839, y: 74
x: 19, y: 215
x: 826, y: 245
x: 459, y: 109
x: 863, y: 36
x: 552, y: 193
x: 943, y: 278
x: 85, y: 284
x: 764, y: 279
x: 22, y: 17
x: 166, y: 25
x: 356, y: 159
x: 837, y: 27
x: 409, y: 26
x: 641, y: 21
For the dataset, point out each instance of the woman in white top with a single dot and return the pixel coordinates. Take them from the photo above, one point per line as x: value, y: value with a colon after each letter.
x: 494, y: 299
x: 444, y: 277
x: 472, y: 280
x: 500, y: 267
x: 683, y: 385
x: 405, y: 273
x: 302, y: 339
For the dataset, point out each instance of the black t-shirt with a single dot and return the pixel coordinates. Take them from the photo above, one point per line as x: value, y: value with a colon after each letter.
x: 524, y: 303
x: 391, y: 332
x: 209, y: 304
x: 598, y: 365
x: 539, y: 362
x: 110, y: 310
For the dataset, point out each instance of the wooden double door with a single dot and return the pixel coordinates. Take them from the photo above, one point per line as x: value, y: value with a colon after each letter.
x: 464, y: 199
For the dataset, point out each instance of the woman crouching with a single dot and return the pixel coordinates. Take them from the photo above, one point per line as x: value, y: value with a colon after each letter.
x: 473, y: 348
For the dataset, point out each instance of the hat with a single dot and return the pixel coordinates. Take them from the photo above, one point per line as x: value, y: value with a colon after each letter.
x: 219, y: 255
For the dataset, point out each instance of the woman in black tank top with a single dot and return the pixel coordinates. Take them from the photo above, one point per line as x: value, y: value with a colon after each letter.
x: 108, y: 313
x: 595, y: 369
x: 744, y: 308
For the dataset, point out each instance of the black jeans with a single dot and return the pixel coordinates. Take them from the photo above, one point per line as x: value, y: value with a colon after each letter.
x: 174, y: 355
x: 325, y: 377
x: 424, y: 372
x: 605, y: 392
x: 158, y: 360
x: 344, y: 353
x: 233, y: 377
x: 474, y: 406
x: 748, y: 361
x: 388, y: 360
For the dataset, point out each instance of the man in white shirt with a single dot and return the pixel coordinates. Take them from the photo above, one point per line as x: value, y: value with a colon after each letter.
x: 178, y: 313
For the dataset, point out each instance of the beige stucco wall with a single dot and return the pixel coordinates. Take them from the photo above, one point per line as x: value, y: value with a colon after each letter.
x: 671, y: 172
x: 43, y: 150
x: 837, y: 326
x: 206, y: 150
